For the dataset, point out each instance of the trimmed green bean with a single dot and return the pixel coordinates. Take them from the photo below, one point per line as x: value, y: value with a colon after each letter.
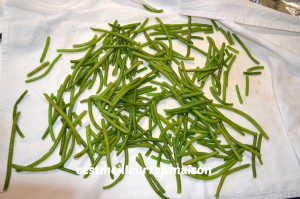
x: 151, y: 9
x: 238, y: 94
x: 11, y: 151
x: 45, y: 49
x: 245, y: 48
x: 39, y: 68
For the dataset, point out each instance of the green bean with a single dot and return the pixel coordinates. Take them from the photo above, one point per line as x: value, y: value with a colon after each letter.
x: 178, y: 182
x: 221, y: 56
x: 36, y: 70
x: 247, y: 86
x: 190, y: 45
x: 167, y: 34
x: 85, y: 43
x: 101, y: 81
x: 68, y: 170
x: 225, y: 35
x: 50, y: 122
x: 197, y: 153
x: 192, y: 94
x: 93, y: 80
x: 62, y: 89
x: 90, y: 112
x: 20, y: 133
x: 15, y: 112
x: 238, y: 94
x: 132, y: 68
x: 193, y: 140
x: 214, y: 176
x: 121, y: 176
x: 160, y: 159
x: 215, y: 24
x: 237, y: 155
x: 142, y: 69
x: 72, y: 50
x: 151, y: 9
x: 244, y: 115
x: 115, y: 34
x: 187, y: 107
x: 203, y: 157
x: 150, y: 57
x: 232, y: 49
x: 189, y: 36
x: 255, y: 68
x: 164, y: 38
x: 171, y: 25
x: 259, y: 147
x: 239, y: 151
x: 231, y: 63
x: 108, y: 161
x: 213, y: 92
x: 131, y: 26
x: 231, y: 41
x: 245, y: 48
x: 252, y: 73
x: 253, y: 165
x: 45, y: 49
x: 11, y: 151
x: 46, y: 72
x: 88, y: 138
x: 207, y: 119
x: 202, y: 69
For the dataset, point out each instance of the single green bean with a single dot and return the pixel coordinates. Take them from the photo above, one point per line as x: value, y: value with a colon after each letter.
x: 11, y: 151
x: 45, y: 49
x: 151, y: 9
x: 36, y: 70
x: 238, y: 94
x: 247, y: 86
x: 245, y: 48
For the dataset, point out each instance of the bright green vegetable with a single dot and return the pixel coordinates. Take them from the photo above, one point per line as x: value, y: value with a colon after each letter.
x: 245, y: 48
x: 151, y: 9
x: 10, y: 152
x: 42, y: 66
x: 239, y: 94
x: 45, y: 49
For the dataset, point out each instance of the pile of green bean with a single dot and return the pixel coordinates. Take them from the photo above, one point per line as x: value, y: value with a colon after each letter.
x: 128, y: 105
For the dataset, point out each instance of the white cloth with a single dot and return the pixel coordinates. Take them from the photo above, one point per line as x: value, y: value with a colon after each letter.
x: 273, y: 102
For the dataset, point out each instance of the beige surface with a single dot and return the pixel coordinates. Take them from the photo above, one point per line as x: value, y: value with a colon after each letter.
x: 275, y: 4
